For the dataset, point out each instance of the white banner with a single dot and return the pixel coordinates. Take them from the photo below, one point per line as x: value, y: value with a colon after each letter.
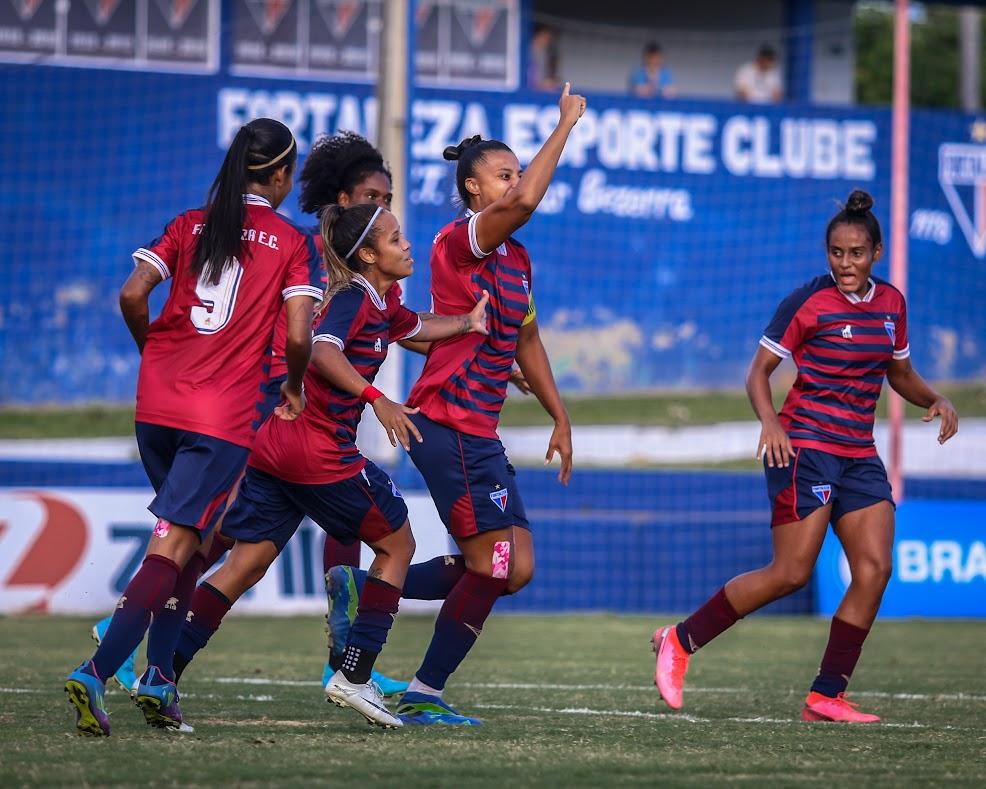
x: 73, y: 551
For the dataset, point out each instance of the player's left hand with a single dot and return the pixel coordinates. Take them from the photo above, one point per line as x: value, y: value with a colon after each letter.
x: 477, y: 318
x: 561, y: 442
x: 949, y: 419
x: 518, y: 379
x: 294, y: 403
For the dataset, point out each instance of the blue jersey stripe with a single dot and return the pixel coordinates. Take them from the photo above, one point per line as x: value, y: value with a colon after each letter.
x: 466, y: 404
x: 483, y: 397
x: 857, y: 316
x: 814, y: 433
x: 851, y: 347
x: 849, y: 389
x: 852, y: 424
x: 835, y: 402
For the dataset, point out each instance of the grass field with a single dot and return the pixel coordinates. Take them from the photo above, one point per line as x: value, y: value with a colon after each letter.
x: 657, y: 408
x: 567, y: 701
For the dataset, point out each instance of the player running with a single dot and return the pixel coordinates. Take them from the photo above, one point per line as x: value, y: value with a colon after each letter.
x: 846, y: 331
x: 233, y: 264
x: 312, y: 466
x: 461, y: 391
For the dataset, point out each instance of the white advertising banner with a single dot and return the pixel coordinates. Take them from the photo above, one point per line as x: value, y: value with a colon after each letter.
x: 73, y: 551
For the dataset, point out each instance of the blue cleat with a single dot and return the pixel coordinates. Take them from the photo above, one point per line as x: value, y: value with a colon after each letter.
x: 85, y: 692
x: 157, y: 697
x: 343, y: 585
x: 125, y: 676
x: 421, y: 709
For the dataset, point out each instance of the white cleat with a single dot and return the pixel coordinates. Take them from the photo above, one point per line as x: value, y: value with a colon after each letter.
x: 365, y: 699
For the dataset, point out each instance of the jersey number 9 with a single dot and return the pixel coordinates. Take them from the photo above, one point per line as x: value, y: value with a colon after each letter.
x: 218, y: 300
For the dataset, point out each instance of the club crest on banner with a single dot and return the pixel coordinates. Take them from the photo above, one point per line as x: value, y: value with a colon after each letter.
x: 823, y: 492
x: 339, y: 15
x: 26, y: 8
x: 268, y: 13
x: 102, y: 10
x: 478, y: 22
x: 962, y: 173
x: 176, y: 11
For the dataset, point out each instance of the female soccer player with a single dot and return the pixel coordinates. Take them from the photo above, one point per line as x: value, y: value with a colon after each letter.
x: 312, y: 466
x: 846, y: 331
x: 233, y: 262
x: 461, y: 391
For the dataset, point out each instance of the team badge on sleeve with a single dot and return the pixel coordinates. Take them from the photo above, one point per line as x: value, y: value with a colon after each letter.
x: 891, y: 330
x: 499, y: 497
x: 824, y: 492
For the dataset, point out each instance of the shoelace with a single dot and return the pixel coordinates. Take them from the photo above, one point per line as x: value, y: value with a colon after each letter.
x: 842, y: 698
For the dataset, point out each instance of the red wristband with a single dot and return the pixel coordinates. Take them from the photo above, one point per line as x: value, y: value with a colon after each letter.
x: 370, y: 394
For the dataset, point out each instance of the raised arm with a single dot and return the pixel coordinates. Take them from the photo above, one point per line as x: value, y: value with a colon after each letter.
x: 906, y: 382
x: 773, y: 440
x: 134, y: 296
x: 499, y: 220
x: 534, y: 364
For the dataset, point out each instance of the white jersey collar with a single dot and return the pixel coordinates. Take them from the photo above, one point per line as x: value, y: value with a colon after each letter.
x: 852, y: 298
x: 252, y: 199
x: 364, y: 283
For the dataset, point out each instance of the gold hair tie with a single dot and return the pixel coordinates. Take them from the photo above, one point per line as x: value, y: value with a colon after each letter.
x: 275, y: 160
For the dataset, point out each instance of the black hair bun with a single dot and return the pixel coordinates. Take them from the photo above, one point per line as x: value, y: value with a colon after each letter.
x: 454, y: 152
x: 859, y: 202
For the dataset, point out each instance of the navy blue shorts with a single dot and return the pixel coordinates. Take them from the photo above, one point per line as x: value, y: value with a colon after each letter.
x: 191, y: 473
x: 816, y: 478
x: 367, y: 507
x: 472, y: 483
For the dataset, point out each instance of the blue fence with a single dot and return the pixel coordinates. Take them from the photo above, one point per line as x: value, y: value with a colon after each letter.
x: 659, y: 254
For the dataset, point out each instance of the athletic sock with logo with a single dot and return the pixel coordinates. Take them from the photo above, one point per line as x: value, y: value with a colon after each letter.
x: 166, y: 626
x: 459, y: 623
x: 378, y: 604
x: 144, y: 596
x: 208, y: 608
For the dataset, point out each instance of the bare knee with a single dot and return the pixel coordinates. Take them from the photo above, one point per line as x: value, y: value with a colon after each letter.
x: 872, y: 571
x: 520, y: 576
x: 789, y: 578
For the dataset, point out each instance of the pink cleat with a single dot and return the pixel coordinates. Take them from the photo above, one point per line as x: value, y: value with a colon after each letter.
x: 672, y: 665
x: 840, y: 709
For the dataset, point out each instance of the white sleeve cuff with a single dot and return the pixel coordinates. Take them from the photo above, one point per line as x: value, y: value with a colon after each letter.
x: 775, y: 347
x: 413, y: 331
x: 329, y: 338
x: 473, y: 243
x: 302, y: 290
x: 155, y: 260
x: 903, y: 353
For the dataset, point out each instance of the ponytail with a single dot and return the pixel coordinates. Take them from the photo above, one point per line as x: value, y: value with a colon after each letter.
x: 260, y: 148
x: 858, y: 210
x: 469, y: 154
x: 344, y: 232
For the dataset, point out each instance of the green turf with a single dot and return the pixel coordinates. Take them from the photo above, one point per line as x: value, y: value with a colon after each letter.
x: 589, y: 718
x: 656, y: 408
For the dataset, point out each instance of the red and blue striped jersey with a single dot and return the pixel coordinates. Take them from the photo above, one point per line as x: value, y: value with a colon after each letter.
x: 842, y: 345
x: 464, y: 381
x: 206, y: 354
x: 320, y: 445
x: 278, y: 360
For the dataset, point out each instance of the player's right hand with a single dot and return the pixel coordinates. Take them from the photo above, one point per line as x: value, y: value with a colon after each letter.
x: 294, y: 403
x: 571, y: 105
x: 775, y: 444
x: 393, y: 417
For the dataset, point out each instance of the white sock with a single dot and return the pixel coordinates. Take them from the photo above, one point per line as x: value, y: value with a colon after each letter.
x: 417, y: 686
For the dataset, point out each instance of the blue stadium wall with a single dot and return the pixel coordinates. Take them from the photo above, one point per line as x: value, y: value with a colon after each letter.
x: 670, y: 234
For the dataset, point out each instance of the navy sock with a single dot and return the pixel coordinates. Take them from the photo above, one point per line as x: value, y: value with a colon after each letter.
x: 144, y: 596
x: 208, y: 608
x: 841, y: 654
x: 431, y: 580
x: 162, y: 638
x: 459, y: 624
x: 378, y: 604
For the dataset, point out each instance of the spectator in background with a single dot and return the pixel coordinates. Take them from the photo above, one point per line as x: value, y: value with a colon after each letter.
x: 652, y: 78
x: 542, y: 61
x: 759, y: 81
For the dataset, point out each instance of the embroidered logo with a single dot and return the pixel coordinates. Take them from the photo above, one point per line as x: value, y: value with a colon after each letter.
x: 172, y: 604
x: 499, y: 497
x: 189, y: 616
x: 824, y: 492
x: 378, y: 345
x: 891, y: 330
x: 121, y: 601
x: 395, y: 490
x: 847, y: 332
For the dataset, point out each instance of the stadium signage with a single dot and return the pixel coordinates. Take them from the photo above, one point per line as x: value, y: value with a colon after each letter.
x: 939, y: 563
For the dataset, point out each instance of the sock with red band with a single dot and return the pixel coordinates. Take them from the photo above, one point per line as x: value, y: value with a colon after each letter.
x: 375, y: 614
x: 208, y: 608
x: 709, y: 621
x: 459, y: 624
x: 841, y: 654
x: 144, y: 596
x: 166, y: 626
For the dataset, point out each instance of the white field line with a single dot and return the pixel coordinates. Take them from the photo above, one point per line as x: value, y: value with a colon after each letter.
x: 20, y: 690
x: 872, y: 694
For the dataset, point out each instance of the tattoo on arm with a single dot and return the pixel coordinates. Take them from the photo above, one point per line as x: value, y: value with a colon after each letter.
x: 375, y: 572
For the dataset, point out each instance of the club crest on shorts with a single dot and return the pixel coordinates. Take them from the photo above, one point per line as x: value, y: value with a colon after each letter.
x: 891, y: 330
x: 499, y: 497
x: 824, y: 492
x: 395, y: 490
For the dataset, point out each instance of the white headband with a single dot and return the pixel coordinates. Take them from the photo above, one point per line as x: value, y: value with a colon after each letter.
x: 365, y: 231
